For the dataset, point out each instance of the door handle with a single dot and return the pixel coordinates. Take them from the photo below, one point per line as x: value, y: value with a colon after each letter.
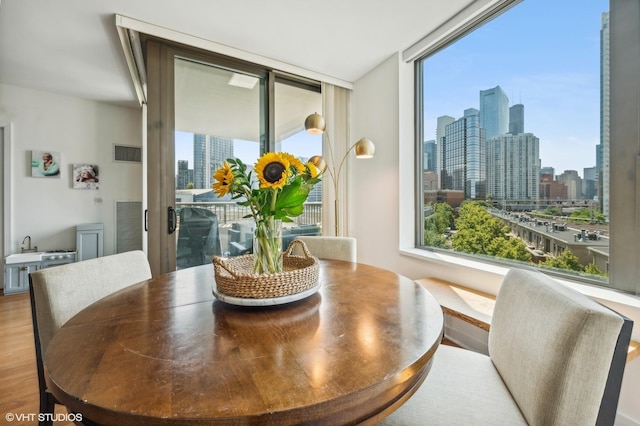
x: 146, y: 217
x: 172, y: 218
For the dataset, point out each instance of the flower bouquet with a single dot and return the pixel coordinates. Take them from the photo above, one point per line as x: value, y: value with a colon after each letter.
x: 282, y: 186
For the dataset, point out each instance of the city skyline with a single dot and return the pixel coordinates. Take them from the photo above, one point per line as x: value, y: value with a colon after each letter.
x: 300, y: 144
x: 555, y: 73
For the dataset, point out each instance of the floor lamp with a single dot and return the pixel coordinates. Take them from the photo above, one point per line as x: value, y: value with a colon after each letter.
x: 364, y: 148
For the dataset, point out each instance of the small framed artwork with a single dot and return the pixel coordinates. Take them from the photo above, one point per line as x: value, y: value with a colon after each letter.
x: 45, y: 164
x: 86, y: 176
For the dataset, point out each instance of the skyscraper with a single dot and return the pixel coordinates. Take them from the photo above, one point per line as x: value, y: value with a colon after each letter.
x: 516, y: 119
x: 463, y: 156
x: 573, y: 182
x: 442, y: 123
x: 184, y: 176
x: 599, y: 174
x: 605, y: 102
x: 494, y: 112
x: 513, y: 167
x: 589, y: 183
x: 209, y: 152
x: 430, y: 156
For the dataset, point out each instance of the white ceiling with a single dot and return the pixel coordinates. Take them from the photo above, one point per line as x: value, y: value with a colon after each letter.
x: 72, y: 47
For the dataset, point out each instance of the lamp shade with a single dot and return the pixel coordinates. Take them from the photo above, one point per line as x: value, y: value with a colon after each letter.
x: 315, y: 124
x: 319, y: 162
x: 365, y: 148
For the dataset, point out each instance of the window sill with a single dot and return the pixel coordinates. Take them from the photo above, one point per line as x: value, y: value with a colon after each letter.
x: 486, y: 277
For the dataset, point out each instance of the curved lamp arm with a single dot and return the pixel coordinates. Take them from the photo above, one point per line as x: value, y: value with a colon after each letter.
x: 364, y: 148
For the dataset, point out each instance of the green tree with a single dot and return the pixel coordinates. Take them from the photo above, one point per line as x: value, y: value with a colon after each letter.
x: 592, y: 214
x: 566, y: 260
x: 443, y: 217
x: 190, y: 185
x: 480, y: 233
x: 436, y: 225
x: 592, y: 269
x: 552, y: 211
x: 433, y: 239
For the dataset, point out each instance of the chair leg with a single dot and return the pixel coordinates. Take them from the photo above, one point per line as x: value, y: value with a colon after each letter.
x: 47, y: 406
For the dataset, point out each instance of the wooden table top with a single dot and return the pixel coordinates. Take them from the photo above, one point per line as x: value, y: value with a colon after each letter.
x: 165, y: 351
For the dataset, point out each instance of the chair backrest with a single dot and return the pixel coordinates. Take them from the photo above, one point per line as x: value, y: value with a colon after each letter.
x: 198, y: 237
x: 558, y: 351
x: 338, y: 248
x: 60, y: 292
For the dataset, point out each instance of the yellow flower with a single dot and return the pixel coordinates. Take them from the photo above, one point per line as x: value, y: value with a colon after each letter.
x: 224, y: 179
x: 313, y: 170
x: 272, y: 170
x: 294, y: 162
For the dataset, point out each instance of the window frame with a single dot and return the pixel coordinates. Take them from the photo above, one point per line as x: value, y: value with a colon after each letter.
x: 624, y: 262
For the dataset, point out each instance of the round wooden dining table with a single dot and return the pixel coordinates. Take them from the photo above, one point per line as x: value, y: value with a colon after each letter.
x: 165, y: 352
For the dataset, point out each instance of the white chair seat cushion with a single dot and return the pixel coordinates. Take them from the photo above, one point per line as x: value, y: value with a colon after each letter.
x: 462, y: 388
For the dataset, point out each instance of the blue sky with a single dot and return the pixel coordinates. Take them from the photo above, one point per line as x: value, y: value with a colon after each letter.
x: 544, y: 54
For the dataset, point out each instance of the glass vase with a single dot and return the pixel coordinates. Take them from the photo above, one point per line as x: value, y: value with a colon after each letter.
x: 267, y: 247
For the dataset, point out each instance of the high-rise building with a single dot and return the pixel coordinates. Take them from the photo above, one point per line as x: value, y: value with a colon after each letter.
x: 184, y: 176
x: 589, y: 183
x: 551, y: 189
x: 599, y: 174
x: 516, y: 119
x: 573, y: 182
x: 513, y: 171
x: 463, y: 156
x: 605, y: 102
x: 443, y: 122
x: 209, y: 153
x: 430, y: 156
x: 547, y: 170
x: 494, y: 112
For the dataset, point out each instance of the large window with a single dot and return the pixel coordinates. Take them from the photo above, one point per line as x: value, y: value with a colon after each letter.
x: 515, y: 140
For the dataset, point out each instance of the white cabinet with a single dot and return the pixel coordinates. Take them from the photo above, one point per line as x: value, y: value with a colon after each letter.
x: 16, y: 276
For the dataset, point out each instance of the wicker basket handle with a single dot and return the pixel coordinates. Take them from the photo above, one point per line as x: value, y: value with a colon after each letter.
x: 297, y: 242
x: 222, y: 263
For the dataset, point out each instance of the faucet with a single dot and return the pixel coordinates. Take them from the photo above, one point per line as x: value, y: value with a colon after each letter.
x: 29, y: 249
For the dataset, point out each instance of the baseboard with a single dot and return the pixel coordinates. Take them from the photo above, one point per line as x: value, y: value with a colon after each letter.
x: 622, y: 420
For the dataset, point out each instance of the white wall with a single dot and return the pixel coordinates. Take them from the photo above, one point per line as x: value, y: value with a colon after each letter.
x: 382, y: 202
x: 83, y: 131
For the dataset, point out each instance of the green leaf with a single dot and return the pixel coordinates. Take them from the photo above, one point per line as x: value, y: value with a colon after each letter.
x: 291, y: 196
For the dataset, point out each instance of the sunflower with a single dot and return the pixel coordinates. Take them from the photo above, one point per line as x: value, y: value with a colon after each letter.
x: 224, y: 179
x: 272, y: 170
x: 311, y: 170
x: 294, y: 162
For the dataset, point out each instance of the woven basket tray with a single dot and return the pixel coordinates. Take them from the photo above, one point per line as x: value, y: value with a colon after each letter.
x: 235, y: 277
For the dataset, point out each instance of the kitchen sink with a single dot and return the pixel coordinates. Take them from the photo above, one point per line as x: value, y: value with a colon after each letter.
x: 24, y: 257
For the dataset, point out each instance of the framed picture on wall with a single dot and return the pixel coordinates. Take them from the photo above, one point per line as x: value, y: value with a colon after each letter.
x: 45, y: 164
x: 86, y: 176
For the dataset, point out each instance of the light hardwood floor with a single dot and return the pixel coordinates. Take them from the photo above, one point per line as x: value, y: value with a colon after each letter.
x: 18, y: 376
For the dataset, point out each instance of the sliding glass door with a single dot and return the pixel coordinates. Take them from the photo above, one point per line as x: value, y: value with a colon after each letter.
x: 203, y: 109
x: 219, y: 115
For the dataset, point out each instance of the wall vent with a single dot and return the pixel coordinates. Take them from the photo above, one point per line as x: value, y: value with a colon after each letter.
x: 128, y: 226
x: 129, y: 154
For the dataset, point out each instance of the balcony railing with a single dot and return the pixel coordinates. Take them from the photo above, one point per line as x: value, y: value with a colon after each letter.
x: 229, y: 212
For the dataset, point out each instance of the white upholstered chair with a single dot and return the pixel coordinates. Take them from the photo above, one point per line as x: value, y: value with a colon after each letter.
x: 58, y: 293
x: 338, y: 248
x: 556, y: 358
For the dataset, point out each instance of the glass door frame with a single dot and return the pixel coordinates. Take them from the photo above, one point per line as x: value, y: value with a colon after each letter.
x: 160, y: 152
